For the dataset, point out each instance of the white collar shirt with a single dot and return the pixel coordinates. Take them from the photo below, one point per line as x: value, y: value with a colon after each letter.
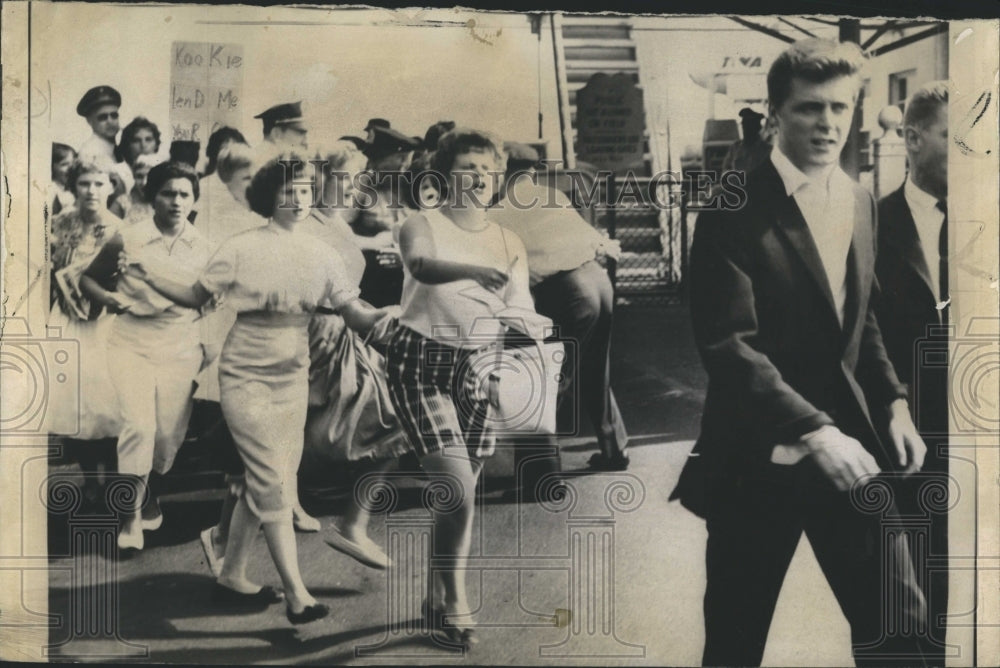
x: 928, y: 219
x: 180, y: 259
x: 827, y: 204
x: 97, y: 147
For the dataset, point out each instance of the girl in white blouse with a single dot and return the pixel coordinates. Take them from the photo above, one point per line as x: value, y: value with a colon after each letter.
x: 275, y: 277
x: 154, y: 345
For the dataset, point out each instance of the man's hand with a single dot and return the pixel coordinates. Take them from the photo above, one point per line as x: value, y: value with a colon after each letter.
x: 841, y: 458
x: 910, y: 448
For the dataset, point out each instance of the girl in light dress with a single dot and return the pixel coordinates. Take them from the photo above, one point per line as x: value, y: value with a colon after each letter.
x: 351, y: 420
x: 78, y: 234
x: 275, y: 277
x: 135, y: 206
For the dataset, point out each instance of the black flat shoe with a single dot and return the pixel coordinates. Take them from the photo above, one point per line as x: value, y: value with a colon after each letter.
x: 455, y: 635
x: 437, y: 623
x: 310, y: 613
x: 601, y: 462
x: 266, y: 596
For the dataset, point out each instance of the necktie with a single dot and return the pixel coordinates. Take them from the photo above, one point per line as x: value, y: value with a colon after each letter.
x: 942, y: 206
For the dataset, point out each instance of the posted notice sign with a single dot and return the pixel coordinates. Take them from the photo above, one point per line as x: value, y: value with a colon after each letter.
x: 610, y: 122
x: 206, y: 89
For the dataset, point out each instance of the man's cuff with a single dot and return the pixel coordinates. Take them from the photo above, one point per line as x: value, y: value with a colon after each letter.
x: 789, y: 455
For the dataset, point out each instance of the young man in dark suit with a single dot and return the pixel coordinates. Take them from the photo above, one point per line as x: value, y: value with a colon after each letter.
x: 803, y: 410
x: 912, y: 270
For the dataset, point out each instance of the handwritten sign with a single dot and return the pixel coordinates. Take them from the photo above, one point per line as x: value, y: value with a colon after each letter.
x: 206, y: 88
x: 610, y: 122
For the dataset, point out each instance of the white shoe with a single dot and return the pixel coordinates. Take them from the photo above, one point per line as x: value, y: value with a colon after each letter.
x: 208, y: 545
x: 155, y: 522
x: 364, y: 551
x: 130, y: 541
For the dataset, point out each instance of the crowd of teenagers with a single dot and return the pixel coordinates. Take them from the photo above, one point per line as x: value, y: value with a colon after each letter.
x: 253, y: 281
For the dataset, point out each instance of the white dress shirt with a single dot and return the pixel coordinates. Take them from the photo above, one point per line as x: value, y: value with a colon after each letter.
x: 556, y: 236
x: 96, y: 147
x: 827, y: 204
x: 928, y: 218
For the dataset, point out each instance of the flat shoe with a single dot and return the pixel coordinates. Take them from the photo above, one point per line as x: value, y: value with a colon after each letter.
x: 153, y: 523
x: 130, y: 541
x: 310, y: 613
x: 265, y: 596
x: 368, y: 553
x: 208, y: 545
x: 455, y: 635
x: 601, y: 462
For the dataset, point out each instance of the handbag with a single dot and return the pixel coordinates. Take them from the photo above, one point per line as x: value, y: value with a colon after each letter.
x: 520, y: 384
x: 523, y: 388
x: 351, y: 416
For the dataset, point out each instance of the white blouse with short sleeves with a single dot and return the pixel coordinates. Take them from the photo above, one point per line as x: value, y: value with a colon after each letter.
x: 275, y: 270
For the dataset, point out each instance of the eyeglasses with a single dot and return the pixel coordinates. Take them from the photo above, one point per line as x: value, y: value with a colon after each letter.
x: 113, y: 115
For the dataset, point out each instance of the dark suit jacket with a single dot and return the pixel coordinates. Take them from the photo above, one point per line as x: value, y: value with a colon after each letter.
x: 907, y: 315
x: 779, y: 362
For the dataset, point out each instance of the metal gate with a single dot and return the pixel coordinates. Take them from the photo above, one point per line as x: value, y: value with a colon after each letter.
x: 652, y: 237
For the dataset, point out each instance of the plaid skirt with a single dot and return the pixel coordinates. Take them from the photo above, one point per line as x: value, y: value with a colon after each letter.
x: 434, y: 394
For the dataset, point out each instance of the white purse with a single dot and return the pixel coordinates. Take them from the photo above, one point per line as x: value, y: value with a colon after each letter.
x: 523, y: 388
x: 521, y: 383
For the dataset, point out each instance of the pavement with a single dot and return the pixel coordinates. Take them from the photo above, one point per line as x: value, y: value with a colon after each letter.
x: 613, y: 575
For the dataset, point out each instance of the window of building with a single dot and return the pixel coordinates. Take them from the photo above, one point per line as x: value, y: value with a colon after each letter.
x: 899, y: 87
